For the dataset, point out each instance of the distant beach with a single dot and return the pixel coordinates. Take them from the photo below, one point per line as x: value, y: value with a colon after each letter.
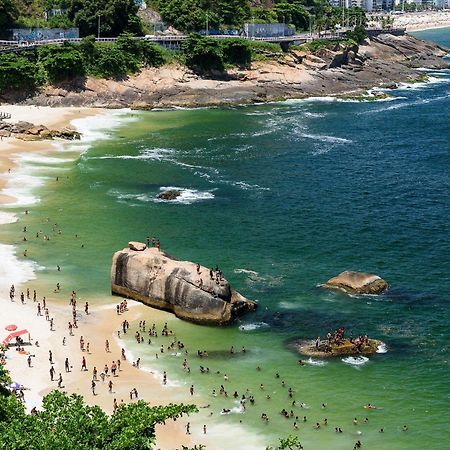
x: 425, y: 20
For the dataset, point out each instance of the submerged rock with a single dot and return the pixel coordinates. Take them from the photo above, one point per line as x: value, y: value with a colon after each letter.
x: 357, y: 283
x: 169, y: 195
x: 182, y: 287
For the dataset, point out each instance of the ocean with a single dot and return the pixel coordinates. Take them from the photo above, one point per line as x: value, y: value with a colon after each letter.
x: 282, y: 197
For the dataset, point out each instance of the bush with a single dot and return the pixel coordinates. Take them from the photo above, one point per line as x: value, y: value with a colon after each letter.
x: 236, y: 52
x: 358, y: 34
x: 203, y: 53
x: 111, y: 62
x: 152, y: 55
x: 18, y: 72
x: 61, y: 62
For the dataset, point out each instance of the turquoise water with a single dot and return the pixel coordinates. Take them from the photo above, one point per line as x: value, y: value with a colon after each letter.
x: 281, y: 197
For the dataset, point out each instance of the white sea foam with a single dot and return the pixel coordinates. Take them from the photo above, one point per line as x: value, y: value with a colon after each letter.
x: 100, y: 126
x: 20, y: 187
x: 355, y: 360
x: 325, y: 138
x: 36, y: 158
x: 7, y: 217
x: 151, y: 154
x: 187, y: 197
x: 382, y: 348
x: 315, y: 362
x: 246, y: 271
x: 288, y: 305
x: 13, y: 270
x: 253, y: 326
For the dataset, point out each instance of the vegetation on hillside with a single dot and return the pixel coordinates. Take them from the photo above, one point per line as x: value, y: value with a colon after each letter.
x: 118, y: 16
x: 28, y: 70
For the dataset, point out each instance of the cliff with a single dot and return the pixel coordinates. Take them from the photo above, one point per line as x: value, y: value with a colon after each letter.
x: 382, y: 61
x: 182, y: 287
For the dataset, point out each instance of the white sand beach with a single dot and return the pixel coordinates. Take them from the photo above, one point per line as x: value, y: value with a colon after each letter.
x: 418, y: 21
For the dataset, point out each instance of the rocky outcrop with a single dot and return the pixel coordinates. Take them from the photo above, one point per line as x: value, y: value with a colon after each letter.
x: 27, y: 131
x: 299, y: 73
x: 182, y: 287
x: 357, y: 283
x: 344, y: 348
x: 169, y: 195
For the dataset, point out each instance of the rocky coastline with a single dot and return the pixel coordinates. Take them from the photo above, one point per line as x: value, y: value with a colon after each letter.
x: 383, y: 61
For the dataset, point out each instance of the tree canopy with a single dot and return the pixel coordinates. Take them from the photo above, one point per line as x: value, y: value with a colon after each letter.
x: 67, y: 423
x: 116, y: 16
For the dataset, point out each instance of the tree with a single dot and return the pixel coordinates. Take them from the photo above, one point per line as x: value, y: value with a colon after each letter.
x: 9, y: 13
x: 237, y: 52
x: 61, y: 62
x: 192, y: 15
x: 292, y: 12
x: 66, y: 422
x: 18, y: 72
x: 116, y: 16
x: 289, y: 443
x: 203, y: 53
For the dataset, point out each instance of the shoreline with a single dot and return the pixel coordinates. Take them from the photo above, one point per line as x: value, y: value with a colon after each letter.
x: 298, y: 74
x: 23, y: 273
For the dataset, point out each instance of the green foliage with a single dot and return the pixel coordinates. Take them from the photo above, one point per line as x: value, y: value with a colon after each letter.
x: 318, y: 44
x: 358, y: 34
x: 9, y: 13
x: 192, y: 15
x: 292, y: 12
x: 17, y: 72
x: 116, y: 16
x: 289, y: 443
x: 111, y: 62
x: 236, y: 52
x: 66, y: 422
x: 152, y: 55
x: 262, y: 51
x: 61, y: 62
x: 203, y: 53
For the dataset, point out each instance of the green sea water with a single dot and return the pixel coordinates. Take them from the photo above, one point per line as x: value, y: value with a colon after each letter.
x: 281, y: 197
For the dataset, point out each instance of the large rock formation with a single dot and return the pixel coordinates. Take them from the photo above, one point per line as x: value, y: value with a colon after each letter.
x: 156, y: 279
x: 357, y: 283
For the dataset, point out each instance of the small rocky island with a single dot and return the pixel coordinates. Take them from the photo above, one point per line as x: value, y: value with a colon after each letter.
x: 171, y: 194
x: 191, y: 291
x: 357, y: 283
x: 337, y: 345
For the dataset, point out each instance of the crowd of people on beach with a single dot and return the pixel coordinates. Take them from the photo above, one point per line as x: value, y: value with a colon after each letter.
x: 103, y: 380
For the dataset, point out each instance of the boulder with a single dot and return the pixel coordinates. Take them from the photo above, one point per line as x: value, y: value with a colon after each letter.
x: 136, y: 246
x: 169, y: 195
x: 357, y: 283
x: 158, y: 280
x: 66, y: 133
x: 36, y: 130
x: 344, y: 348
x: 21, y: 127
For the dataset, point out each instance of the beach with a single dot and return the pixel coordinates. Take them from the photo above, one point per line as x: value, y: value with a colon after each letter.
x: 282, y: 196
x: 52, y: 335
x: 419, y: 21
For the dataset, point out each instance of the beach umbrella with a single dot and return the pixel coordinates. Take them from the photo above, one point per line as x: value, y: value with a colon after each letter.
x: 11, y: 327
x: 15, y: 386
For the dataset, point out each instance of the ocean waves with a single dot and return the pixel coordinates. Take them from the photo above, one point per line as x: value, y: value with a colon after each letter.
x: 187, y: 196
